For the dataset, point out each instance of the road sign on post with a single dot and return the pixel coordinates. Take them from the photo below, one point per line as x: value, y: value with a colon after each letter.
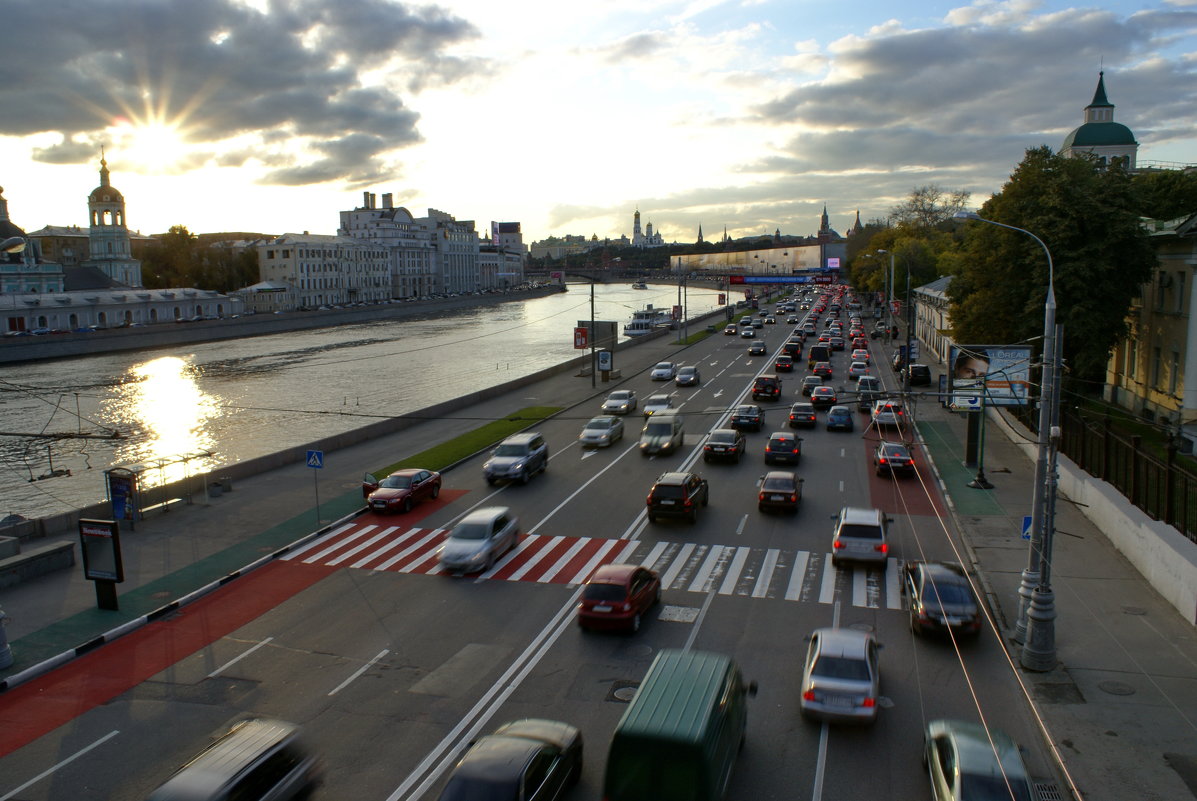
x: 581, y: 338
x: 316, y: 460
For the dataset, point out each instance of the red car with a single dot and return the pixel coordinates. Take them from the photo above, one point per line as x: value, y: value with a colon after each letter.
x: 616, y: 596
x: 399, y: 491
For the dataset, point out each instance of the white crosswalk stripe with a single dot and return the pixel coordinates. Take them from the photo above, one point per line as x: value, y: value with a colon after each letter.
x: 791, y: 575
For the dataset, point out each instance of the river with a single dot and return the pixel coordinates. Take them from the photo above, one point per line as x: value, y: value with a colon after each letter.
x: 225, y: 402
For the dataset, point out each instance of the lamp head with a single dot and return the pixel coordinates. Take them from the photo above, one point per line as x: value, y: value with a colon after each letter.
x: 14, y: 244
x: 967, y: 215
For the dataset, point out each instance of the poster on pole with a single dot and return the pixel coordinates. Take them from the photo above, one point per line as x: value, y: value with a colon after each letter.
x: 989, y: 375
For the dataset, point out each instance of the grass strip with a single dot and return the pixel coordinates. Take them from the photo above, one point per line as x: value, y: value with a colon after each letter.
x: 441, y: 456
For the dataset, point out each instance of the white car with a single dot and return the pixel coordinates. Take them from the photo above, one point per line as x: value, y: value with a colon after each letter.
x: 857, y: 369
x: 747, y: 333
x: 477, y: 542
x: 621, y: 401
x: 860, y: 355
x: 664, y: 371
x: 887, y: 413
x: 657, y: 403
x: 601, y: 432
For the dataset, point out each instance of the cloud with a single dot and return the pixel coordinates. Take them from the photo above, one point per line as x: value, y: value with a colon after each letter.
x: 325, y: 72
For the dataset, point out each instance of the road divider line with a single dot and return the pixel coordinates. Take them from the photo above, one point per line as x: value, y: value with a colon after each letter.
x: 360, y: 671
x: 702, y: 615
x: 766, y: 575
x: 237, y: 659
x: 797, y: 576
x: 733, y: 573
x: 13, y: 793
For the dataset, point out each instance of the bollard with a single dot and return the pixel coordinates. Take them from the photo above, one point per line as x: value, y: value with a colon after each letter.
x: 5, y: 649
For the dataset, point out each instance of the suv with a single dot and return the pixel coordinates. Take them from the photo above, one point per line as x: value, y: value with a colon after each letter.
x: 767, y: 387
x: 920, y: 375
x: 517, y: 458
x: 860, y: 536
x: 677, y: 495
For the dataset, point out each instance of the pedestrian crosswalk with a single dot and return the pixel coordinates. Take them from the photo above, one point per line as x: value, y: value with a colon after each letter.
x: 792, y: 575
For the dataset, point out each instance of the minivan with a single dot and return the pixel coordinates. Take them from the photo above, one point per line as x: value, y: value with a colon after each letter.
x: 817, y: 353
x: 662, y: 434
x: 679, y: 738
x: 257, y: 758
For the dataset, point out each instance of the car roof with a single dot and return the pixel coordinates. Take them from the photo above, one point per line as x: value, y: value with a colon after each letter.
x: 497, y: 757
x: 675, y: 477
x: 973, y: 750
x: 613, y: 574
x: 850, y: 643
x: 859, y: 514
x: 726, y: 432
x: 779, y: 475
x: 485, y: 515
x: 942, y: 572
x: 783, y: 435
x: 839, y: 409
x: 522, y: 438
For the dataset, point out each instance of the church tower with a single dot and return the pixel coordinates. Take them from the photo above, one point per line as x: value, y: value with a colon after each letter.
x: 108, y: 237
x: 637, y: 236
x: 700, y: 233
x: 1099, y: 135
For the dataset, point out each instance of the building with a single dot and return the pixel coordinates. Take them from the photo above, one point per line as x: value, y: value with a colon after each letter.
x: 413, y: 253
x: 1111, y: 142
x: 932, y: 317
x: 317, y: 270
x: 646, y: 238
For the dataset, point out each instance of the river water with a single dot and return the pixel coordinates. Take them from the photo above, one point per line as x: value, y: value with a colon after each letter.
x: 239, y: 399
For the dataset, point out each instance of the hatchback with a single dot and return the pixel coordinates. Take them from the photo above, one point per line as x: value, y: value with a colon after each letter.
x: 784, y: 364
x: 822, y: 370
x: 839, y: 418
x: 477, y: 542
x: 892, y: 457
x: 783, y: 448
x: 802, y: 415
x: 780, y: 490
x: 967, y: 762
x: 860, y: 535
x: 724, y: 443
x: 616, y: 596
x: 940, y: 598
x: 747, y: 418
x: 823, y: 397
x: 841, y: 681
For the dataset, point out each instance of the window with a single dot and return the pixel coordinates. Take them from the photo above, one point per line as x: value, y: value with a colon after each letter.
x: 1161, y: 282
x: 1132, y: 358
x: 1174, y: 372
x: 1180, y: 293
x: 1155, y: 367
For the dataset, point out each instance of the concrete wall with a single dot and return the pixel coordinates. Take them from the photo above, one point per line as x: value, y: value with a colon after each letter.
x: 1164, y: 556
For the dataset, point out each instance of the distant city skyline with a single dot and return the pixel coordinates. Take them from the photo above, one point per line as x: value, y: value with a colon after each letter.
x: 235, y: 115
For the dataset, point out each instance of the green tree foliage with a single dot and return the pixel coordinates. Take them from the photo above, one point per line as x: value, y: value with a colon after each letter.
x: 1089, y: 219
x: 180, y: 259
x: 928, y: 206
x: 1166, y: 194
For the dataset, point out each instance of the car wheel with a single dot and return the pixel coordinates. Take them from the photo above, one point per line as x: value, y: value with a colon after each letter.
x: 657, y: 596
x: 407, y: 504
x: 706, y: 458
x: 436, y: 492
x: 636, y: 622
x: 652, y: 518
x: 524, y: 476
x: 490, y: 482
x: 693, y: 516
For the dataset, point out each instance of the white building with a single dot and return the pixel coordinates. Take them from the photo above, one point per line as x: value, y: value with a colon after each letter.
x: 326, y: 270
x: 412, y: 252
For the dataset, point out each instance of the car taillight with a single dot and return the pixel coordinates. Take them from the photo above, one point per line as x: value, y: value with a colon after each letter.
x: 761, y: 497
x: 869, y: 703
x: 794, y: 498
x: 768, y: 449
x: 882, y: 548
x: 809, y: 695
x: 838, y: 544
x: 882, y: 461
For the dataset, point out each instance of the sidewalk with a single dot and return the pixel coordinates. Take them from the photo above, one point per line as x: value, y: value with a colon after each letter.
x: 1121, y: 706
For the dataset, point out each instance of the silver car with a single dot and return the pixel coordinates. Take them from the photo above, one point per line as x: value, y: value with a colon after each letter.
x: 687, y: 377
x: 621, y: 401
x: 657, y: 403
x: 841, y: 681
x: 962, y: 764
x: 601, y: 432
x: 663, y: 371
x: 477, y: 542
x: 860, y: 536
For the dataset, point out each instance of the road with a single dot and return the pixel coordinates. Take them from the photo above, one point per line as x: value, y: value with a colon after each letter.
x: 392, y: 666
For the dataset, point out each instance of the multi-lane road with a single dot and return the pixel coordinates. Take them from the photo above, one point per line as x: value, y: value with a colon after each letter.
x: 392, y: 666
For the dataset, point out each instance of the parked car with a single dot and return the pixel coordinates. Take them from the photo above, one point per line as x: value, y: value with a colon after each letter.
x: 677, y: 494
x: 893, y: 458
x: 617, y: 596
x: 747, y: 417
x: 399, y: 491
x: 839, y: 418
x: 940, y: 598
x: 841, y: 680
x: 479, y: 540
x: 802, y: 415
x: 783, y: 447
x: 663, y: 371
x: 724, y: 443
x: 687, y: 377
x: 518, y: 458
x: 531, y: 759
x: 860, y: 535
x: 656, y: 403
x: 621, y: 401
x: 963, y: 766
x: 601, y: 432
x: 780, y: 490
x: 920, y: 375
x: 823, y: 397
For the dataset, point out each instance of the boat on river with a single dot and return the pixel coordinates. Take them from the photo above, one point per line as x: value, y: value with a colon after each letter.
x: 646, y: 321
x: 639, y: 285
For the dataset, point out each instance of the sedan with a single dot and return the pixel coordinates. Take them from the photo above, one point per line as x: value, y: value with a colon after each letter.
x: 780, y: 490
x: 687, y: 377
x: 839, y: 418
x: 860, y: 355
x: 616, y: 596
x: 802, y: 415
x: 892, y: 457
x: 841, y: 680
x: 967, y: 762
x: 621, y: 401
x: 663, y: 371
x: 783, y: 447
x: 838, y: 342
x: 399, y: 491
x: 729, y: 331
x: 822, y: 370
x: 533, y: 759
x: 477, y: 542
x: 940, y: 598
x: 809, y: 383
x: 823, y: 397
x: 747, y: 332
x: 657, y: 403
x: 724, y: 443
x: 857, y: 369
x: 757, y: 348
x: 747, y: 418
x: 601, y: 432
x: 784, y: 364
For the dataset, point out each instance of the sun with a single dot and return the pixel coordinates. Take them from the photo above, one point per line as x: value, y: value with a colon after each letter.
x: 156, y: 146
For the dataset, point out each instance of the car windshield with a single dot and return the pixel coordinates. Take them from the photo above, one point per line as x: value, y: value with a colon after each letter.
x: 947, y: 593
x: 396, y: 482
x: 778, y: 484
x: 620, y: 396
x: 860, y: 532
x: 657, y: 400
x: 470, y: 531
x: 510, y: 450
x: 599, y: 424
x: 603, y: 592
x: 668, y: 491
x: 687, y: 371
x: 992, y: 788
x: 896, y: 452
x: 745, y: 411
x: 781, y: 442
x: 839, y: 667
x: 664, y: 366
x: 658, y: 429
x: 723, y: 437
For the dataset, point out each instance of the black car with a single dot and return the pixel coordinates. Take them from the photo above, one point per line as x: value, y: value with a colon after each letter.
x: 920, y: 375
x: 940, y: 598
x: 677, y: 495
x: 784, y: 364
x: 892, y: 457
x: 779, y: 490
x: 783, y: 448
x: 802, y: 415
x: 724, y: 443
x: 747, y: 418
x: 767, y: 387
x: 809, y: 383
x: 524, y: 759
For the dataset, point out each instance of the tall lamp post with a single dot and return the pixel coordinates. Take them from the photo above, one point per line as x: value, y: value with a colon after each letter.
x: 1036, y: 625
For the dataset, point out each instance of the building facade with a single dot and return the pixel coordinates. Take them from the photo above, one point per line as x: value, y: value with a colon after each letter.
x: 324, y: 270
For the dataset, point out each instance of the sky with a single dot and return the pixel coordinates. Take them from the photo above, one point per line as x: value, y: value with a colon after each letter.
x: 272, y: 116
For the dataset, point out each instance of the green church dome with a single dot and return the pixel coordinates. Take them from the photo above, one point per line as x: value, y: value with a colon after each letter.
x: 1100, y: 134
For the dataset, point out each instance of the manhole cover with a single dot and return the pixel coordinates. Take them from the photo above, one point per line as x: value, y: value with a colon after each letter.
x: 623, y: 691
x: 638, y: 651
x: 861, y: 627
x: 1116, y: 688
x: 1134, y: 610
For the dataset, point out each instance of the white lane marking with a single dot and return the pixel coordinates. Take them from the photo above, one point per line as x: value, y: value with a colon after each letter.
x: 560, y: 564
x: 576, y: 492
x: 702, y: 614
x: 860, y: 589
x: 13, y: 793
x: 654, y: 555
x: 797, y: 576
x: 740, y: 528
x: 355, y: 550
x: 315, y: 542
x: 527, y: 566
x: 827, y: 590
x: 733, y: 572
x: 359, y: 671
x: 820, y: 764
x: 893, y: 590
x: 237, y: 659
x: 702, y: 579
x: 415, y: 546
x: 841, y: 487
x: 766, y: 574
x: 589, y: 567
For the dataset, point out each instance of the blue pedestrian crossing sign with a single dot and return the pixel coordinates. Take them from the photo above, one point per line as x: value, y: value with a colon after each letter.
x: 1026, y: 527
x: 316, y: 459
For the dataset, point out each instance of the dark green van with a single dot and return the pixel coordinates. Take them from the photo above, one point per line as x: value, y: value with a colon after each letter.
x: 680, y: 736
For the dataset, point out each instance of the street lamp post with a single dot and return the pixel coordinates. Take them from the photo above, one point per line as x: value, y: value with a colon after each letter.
x: 889, y: 290
x: 1035, y: 627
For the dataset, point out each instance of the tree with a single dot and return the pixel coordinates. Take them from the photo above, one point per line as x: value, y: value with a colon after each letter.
x: 1089, y: 220
x: 1166, y: 194
x: 928, y: 206
x: 171, y: 262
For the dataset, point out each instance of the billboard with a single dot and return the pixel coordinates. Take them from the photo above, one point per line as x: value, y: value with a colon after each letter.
x: 992, y: 375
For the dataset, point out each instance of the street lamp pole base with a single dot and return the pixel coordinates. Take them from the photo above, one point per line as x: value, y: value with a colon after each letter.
x: 1026, y: 590
x: 1039, y: 652
x: 980, y: 482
